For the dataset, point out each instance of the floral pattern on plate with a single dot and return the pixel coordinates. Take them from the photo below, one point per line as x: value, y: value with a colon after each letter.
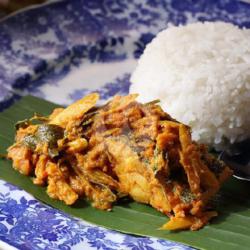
x: 28, y: 224
x: 55, y: 39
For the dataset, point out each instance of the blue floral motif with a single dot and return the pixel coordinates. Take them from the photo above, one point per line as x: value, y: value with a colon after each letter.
x: 144, y: 39
x: 94, y: 233
x: 4, y: 93
x: 76, y: 30
x: 120, y: 86
x: 138, y: 244
x: 170, y: 245
x: 5, y: 40
x: 28, y: 224
x: 49, y: 44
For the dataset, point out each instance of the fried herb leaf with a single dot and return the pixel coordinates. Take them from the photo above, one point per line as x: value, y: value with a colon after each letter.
x: 153, y: 102
x: 187, y: 196
x: 22, y: 124
x: 30, y: 141
x: 46, y: 133
x: 157, y: 155
x: 53, y: 152
x: 49, y: 133
x: 35, y: 119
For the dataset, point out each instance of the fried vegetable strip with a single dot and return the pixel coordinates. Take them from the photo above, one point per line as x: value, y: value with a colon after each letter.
x: 75, y: 110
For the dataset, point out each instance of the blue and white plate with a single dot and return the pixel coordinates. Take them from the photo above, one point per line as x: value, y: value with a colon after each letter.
x: 63, y: 50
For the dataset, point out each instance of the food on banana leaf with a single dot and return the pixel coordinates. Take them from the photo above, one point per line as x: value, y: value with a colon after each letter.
x: 123, y: 148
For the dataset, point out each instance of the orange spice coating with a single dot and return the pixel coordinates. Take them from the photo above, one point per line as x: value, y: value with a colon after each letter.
x: 123, y: 148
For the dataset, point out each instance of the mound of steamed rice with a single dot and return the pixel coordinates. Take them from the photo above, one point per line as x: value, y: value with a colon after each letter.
x: 201, y: 74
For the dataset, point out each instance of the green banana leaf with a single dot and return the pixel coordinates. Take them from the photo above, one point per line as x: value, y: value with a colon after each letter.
x: 230, y: 230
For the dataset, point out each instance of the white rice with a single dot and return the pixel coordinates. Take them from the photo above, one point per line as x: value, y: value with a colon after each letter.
x: 201, y: 74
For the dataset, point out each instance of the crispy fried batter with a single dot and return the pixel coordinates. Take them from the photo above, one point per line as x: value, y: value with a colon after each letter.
x: 121, y: 148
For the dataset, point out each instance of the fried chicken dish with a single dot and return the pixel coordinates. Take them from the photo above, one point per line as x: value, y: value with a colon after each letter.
x: 123, y: 148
